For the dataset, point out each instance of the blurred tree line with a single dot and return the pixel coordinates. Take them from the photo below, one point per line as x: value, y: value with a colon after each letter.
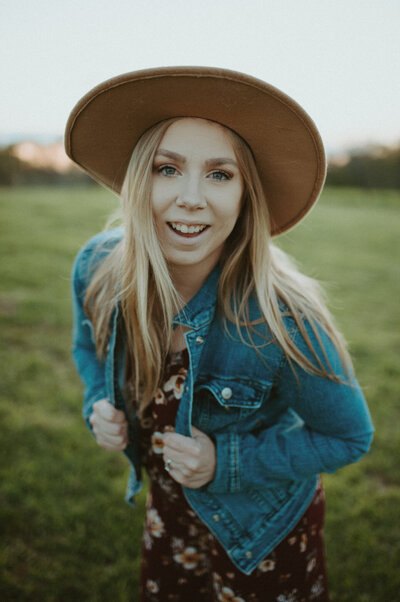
x: 378, y: 167
x: 16, y: 172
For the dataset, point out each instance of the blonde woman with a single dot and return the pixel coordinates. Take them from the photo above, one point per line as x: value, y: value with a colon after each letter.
x: 207, y: 357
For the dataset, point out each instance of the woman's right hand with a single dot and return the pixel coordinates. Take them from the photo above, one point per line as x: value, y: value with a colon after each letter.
x: 109, y: 426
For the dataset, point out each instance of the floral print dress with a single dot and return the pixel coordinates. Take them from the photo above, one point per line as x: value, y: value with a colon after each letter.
x: 181, y: 559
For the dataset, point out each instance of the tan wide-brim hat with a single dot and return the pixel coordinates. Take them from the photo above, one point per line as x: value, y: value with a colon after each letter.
x: 106, y: 123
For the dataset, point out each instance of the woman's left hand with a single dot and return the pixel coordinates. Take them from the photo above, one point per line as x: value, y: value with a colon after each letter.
x: 192, y: 461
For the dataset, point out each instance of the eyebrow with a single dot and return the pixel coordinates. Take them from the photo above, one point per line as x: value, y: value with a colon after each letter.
x: 182, y: 159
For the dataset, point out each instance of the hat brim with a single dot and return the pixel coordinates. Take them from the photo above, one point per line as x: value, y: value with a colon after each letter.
x: 106, y: 123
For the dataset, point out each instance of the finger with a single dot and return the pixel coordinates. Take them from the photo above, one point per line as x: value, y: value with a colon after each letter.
x: 98, y: 419
x: 190, y: 460
x: 171, y: 461
x: 197, y: 434
x: 174, y: 454
x: 115, y: 442
x: 112, y: 428
x: 108, y: 412
x: 101, y: 405
x: 111, y: 437
x: 119, y: 417
x: 111, y: 447
x: 180, y: 444
x: 177, y: 475
x: 187, y: 466
x: 187, y: 481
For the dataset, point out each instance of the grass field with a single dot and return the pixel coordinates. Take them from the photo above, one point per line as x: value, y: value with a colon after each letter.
x: 66, y: 532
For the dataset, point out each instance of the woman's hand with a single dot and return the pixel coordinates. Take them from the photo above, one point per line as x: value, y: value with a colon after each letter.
x: 109, y: 425
x: 192, y: 461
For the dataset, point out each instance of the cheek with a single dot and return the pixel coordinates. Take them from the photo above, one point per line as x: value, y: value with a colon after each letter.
x: 230, y: 209
x: 162, y: 196
x: 158, y: 202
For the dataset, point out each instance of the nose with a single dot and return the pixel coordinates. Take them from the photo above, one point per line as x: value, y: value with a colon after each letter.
x: 191, y: 196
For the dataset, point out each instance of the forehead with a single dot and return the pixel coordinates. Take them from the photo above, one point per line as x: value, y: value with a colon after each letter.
x: 193, y: 133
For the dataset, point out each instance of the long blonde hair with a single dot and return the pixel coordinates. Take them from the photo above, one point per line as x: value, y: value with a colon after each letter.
x: 136, y: 275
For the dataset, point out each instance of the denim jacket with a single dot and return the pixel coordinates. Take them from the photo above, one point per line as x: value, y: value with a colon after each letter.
x: 275, y: 429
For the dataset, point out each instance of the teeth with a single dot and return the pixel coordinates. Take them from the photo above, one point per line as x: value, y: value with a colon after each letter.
x: 187, y: 229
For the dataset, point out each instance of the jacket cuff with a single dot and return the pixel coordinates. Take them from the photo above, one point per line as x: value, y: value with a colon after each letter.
x: 226, y: 478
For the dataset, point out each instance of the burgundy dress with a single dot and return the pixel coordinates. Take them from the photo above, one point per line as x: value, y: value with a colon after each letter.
x: 182, y: 560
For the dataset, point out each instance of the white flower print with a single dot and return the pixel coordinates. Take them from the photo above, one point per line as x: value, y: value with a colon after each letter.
x: 217, y: 581
x: 203, y: 541
x: 177, y: 544
x: 157, y: 442
x: 152, y: 586
x: 311, y: 565
x: 193, y: 530
x: 160, y: 397
x: 148, y: 541
x: 314, y: 530
x: 303, y: 542
x: 168, y: 487
x: 317, y: 588
x: 154, y: 523
x: 227, y: 595
x: 267, y: 565
x: 189, y: 558
x: 149, y: 501
x: 175, y: 383
x: 288, y: 596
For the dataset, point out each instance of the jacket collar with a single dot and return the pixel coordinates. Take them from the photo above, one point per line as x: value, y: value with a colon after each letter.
x: 200, y: 309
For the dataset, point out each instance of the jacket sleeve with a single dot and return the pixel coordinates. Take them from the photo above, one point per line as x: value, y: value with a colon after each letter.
x: 329, y: 427
x: 91, y: 370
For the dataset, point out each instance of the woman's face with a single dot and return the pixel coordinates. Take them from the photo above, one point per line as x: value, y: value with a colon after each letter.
x: 196, y: 193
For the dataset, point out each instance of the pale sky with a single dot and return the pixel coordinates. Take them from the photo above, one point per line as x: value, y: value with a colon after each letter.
x: 340, y: 59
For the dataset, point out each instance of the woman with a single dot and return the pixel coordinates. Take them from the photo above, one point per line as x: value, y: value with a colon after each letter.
x: 207, y: 357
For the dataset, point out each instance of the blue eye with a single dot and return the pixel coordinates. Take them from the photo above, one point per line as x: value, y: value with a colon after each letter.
x: 167, y: 170
x: 220, y: 175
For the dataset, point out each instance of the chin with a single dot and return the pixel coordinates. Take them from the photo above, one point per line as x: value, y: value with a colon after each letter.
x: 184, y: 261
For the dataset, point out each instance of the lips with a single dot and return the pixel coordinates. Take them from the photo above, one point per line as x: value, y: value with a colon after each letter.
x: 187, y: 230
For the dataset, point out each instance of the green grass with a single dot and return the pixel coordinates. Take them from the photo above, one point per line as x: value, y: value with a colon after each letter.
x: 66, y: 532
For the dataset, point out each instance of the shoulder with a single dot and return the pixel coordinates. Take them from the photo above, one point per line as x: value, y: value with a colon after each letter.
x: 320, y: 343
x: 93, y: 252
x: 314, y: 341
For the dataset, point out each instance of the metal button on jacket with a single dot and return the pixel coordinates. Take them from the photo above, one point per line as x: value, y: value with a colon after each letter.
x: 199, y: 340
x: 215, y: 518
x: 226, y: 393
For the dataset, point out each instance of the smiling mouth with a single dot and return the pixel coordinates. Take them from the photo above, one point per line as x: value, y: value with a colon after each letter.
x: 187, y: 230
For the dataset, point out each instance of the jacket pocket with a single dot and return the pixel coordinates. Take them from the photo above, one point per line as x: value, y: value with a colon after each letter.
x: 222, y: 402
x: 237, y: 393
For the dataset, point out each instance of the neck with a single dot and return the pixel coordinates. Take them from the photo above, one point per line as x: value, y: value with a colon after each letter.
x: 188, y: 280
